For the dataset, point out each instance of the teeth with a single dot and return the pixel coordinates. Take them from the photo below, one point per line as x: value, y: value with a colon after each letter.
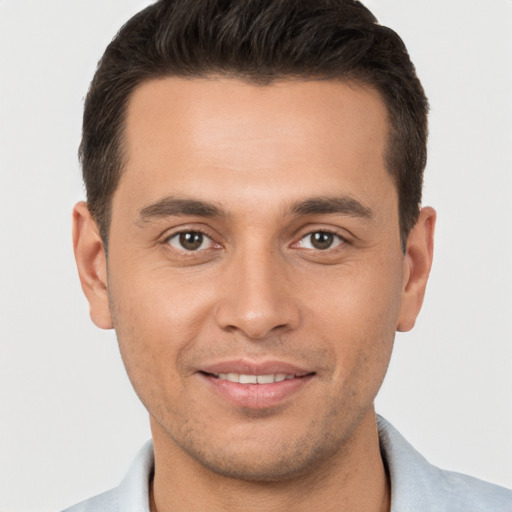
x: 248, y: 379
x: 254, y: 379
x: 266, y: 379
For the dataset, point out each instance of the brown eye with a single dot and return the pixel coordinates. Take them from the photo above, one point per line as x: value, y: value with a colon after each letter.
x: 320, y: 240
x: 190, y: 241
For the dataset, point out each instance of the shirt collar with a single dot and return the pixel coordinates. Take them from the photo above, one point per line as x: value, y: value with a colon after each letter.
x: 133, y: 491
x: 412, y: 477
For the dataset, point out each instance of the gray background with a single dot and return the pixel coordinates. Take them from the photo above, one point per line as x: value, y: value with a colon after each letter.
x: 69, y: 421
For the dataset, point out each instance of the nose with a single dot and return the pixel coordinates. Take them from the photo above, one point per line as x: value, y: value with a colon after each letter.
x: 258, y: 297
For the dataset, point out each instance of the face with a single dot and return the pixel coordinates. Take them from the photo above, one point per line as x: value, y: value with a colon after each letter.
x: 255, y: 277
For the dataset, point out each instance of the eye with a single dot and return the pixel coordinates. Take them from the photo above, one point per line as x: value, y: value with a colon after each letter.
x: 320, y: 240
x: 190, y: 241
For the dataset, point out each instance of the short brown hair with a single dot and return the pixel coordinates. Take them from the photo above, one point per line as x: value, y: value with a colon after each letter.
x: 260, y: 41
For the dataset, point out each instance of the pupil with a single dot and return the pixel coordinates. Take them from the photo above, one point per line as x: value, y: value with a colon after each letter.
x: 191, y: 241
x: 322, y: 240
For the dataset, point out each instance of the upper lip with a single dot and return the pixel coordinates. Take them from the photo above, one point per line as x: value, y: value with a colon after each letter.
x: 248, y: 367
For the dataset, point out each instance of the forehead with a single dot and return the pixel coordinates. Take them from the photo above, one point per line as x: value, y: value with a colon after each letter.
x: 193, y: 135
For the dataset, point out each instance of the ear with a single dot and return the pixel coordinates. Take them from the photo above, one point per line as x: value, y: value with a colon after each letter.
x: 92, y: 264
x: 417, y: 264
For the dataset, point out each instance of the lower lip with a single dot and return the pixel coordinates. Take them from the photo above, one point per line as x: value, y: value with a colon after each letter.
x: 257, y: 396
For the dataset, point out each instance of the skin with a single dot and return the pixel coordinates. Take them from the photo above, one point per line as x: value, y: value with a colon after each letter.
x: 269, y: 166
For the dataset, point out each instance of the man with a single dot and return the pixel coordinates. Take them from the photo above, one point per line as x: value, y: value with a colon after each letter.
x: 253, y: 233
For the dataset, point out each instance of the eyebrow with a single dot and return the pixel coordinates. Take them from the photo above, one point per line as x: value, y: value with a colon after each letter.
x: 344, y: 205
x: 172, y: 206
x: 175, y: 206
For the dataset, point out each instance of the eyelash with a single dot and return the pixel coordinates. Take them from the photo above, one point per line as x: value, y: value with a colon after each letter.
x: 341, y: 240
x: 185, y: 232
x: 214, y: 245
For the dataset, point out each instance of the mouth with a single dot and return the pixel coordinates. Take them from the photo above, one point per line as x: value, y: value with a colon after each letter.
x: 255, y: 386
x: 244, y: 378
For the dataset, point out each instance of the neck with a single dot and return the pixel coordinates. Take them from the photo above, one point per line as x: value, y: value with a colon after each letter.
x: 354, y: 479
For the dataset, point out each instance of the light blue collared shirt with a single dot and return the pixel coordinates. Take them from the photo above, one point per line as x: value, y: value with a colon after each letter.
x: 416, y: 485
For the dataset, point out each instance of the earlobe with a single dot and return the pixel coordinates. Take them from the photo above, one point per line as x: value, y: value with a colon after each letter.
x: 91, y: 264
x: 417, y: 264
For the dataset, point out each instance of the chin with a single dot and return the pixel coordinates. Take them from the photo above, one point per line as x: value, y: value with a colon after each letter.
x: 277, y: 461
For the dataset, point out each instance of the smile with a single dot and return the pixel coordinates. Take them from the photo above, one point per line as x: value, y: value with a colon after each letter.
x: 250, y: 385
x: 242, y: 378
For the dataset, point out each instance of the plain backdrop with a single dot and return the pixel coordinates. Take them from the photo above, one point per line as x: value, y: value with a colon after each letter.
x: 69, y: 421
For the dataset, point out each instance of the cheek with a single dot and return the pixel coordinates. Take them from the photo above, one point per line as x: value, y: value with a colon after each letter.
x: 157, y: 318
x: 357, y: 313
x: 359, y: 296
x: 157, y: 304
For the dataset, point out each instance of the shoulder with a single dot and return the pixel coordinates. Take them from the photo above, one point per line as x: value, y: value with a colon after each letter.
x: 132, y: 494
x: 105, y: 502
x: 418, y: 485
x: 463, y: 493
